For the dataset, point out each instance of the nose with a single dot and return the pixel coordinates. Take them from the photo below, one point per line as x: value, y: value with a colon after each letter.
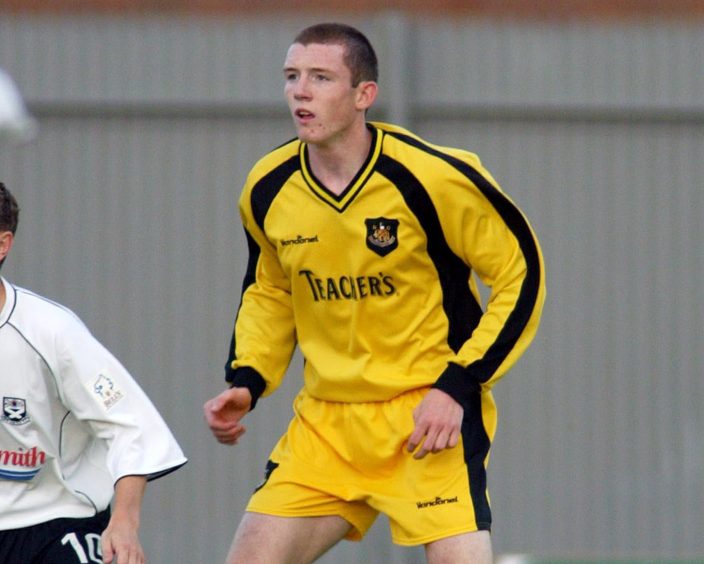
x: 301, y: 90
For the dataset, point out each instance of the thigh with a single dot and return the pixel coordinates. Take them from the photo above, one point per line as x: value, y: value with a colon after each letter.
x: 469, y: 548
x: 264, y: 539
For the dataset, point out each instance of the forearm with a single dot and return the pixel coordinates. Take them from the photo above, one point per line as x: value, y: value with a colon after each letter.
x: 510, y: 322
x: 121, y: 540
x: 127, y: 504
x: 264, y: 336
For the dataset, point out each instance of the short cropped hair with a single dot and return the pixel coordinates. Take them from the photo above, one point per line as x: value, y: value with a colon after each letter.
x: 9, y: 210
x: 359, y: 57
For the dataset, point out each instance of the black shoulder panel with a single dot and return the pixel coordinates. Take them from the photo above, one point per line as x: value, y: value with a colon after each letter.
x: 264, y: 191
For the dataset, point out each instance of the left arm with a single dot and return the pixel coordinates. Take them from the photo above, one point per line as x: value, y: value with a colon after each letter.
x: 120, y: 541
x: 494, y: 238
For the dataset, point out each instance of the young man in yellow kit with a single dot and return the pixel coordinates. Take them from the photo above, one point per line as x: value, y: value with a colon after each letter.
x: 362, y: 240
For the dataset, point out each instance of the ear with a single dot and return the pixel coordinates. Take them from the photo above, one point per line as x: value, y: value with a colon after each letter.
x: 366, y: 94
x: 6, y: 239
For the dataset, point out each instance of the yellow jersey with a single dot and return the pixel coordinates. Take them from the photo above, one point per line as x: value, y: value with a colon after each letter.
x: 375, y: 285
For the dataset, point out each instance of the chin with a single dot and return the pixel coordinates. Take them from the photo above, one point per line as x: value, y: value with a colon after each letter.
x: 306, y: 137
x: 311, y: 134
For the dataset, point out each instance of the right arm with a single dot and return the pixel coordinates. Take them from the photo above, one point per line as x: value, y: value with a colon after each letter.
x: 264, y: 336
x: 120, y: 540
x: 263, y: 339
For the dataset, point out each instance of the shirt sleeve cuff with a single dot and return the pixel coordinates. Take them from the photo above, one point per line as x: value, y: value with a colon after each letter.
x: 246, y: 377
x: 458, y: 383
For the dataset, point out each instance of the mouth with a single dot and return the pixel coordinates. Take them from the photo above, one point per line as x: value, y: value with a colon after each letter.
x: 303, y: 115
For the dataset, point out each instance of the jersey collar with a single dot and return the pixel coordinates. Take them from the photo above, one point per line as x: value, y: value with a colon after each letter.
x: 340, y: 202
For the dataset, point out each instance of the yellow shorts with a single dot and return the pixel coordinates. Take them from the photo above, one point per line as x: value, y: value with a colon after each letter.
x: 351, y: 460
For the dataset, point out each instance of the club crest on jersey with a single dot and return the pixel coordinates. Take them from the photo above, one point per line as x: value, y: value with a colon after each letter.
x: 382, y: 235
x: 14, y: 411
x: 106, y: 390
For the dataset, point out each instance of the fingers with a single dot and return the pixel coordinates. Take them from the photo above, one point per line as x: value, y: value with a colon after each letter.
x: 216, y: 404
x: 431, y: 440
x: 232, y: 403
x: 229, y: 435
x: 438, y: 421
x: 108, y: 552
x: 416, y: 438
x: 120, y: 550
x: 223, y: 417
x: 123, y: 558
x: 211, y: 411
x: 226, y: 431
x: 213, y: 405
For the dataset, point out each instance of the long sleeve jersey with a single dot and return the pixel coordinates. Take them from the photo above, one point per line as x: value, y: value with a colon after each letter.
x: 375, y: 285
x: 73, y: 420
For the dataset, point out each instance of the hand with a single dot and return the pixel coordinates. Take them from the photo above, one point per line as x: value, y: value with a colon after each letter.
x: 120, y: 540
x: 438, y: 422
x: 120, y: 543
x: 224, y: 412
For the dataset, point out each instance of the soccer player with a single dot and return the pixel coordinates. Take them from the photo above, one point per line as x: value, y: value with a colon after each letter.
x: 76, y: 431
x: 363, y: 239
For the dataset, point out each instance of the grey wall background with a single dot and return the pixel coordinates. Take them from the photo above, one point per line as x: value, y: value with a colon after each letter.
x: 148, y: 126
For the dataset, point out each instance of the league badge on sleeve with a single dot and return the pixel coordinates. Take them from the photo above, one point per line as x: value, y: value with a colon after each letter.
x: 105, y: 390
x: 14, y: 411
x: 382, y: 235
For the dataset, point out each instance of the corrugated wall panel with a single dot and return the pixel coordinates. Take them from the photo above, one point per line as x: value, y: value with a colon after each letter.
x: 184, y: 61
x: 129, y: 216
x: 564, y: 65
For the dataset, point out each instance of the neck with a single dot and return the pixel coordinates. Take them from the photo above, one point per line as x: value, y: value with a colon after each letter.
x: 3, y: 294
x: 337, y: 164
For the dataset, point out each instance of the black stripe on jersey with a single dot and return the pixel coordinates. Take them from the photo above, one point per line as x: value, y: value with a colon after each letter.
x: 254, y: 251
x: 264, y: 191
x: 484, y: 368
x: 249, y: 279
x: 461, y: 307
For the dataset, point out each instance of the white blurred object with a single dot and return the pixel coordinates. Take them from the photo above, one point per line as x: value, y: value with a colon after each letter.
x: 16, y: 124
x: 514, y: 559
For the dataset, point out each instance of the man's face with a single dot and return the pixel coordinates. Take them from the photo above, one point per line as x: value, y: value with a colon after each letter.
x: 318, y: 88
